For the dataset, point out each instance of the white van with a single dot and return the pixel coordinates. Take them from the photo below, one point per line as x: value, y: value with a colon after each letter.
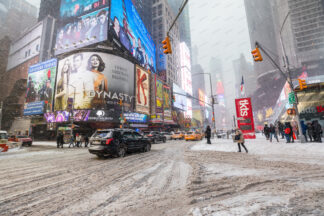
x: 3, y: 137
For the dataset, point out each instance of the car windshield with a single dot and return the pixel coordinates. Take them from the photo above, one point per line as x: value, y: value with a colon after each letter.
x: 188, y: 133
x: 22, y: 136
x: 102, y: 134
x: 3, y: 136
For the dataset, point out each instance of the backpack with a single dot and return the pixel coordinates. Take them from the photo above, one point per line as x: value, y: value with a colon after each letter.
x: 287, y: 131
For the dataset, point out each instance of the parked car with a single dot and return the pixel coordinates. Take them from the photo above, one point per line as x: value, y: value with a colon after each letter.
x: 155, y: 137
x: 168, y: 135
x: 117, y: 142
x: 3, y: 141
x: 193, y: 136
x: 25, y: 140
x: 177, y: 135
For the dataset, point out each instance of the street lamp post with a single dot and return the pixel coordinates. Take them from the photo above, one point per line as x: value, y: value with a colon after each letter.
x: 72, y: 111
x: 212, y: 97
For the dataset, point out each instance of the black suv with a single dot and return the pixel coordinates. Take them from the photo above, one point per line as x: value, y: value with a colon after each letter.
x: 117, y: 142
x: 155, y: 136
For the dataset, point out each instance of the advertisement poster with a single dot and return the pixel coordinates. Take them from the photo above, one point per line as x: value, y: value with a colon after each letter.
x: 180, y: 100
x: 188, y: 112
x: 136, y: 117
x: 142, y: 91
x: 40, y: 85
x: 128, y: 28
x: 95, y: 81
x: 201, y: 97
x: 166, y: 101
x: 244, y: 115
x: 76, y: 8
x: 88, y: 29
x: 159, y: 96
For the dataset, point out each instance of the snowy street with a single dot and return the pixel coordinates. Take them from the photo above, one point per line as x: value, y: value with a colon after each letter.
x: 175, y: 178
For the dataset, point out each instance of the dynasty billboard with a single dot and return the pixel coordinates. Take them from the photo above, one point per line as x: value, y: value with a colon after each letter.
x: 82, y: 23
x: 142, y: 91
x: 95, y: 80
x: 40, y: 85
x: 128, y: 28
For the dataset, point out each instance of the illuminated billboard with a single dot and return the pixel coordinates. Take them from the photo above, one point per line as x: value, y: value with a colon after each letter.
x: 77, y: 8
x: 180, y: 98
x: 142, y: 91
x: 166, y: 100
x: 159, y: 96
x: 95, y: 81
x: 82, y: 31
x: 128, y: 28
x: 201, y: 97
x: 40, y: 85
x: 188, y: 112
x: 185, y: 64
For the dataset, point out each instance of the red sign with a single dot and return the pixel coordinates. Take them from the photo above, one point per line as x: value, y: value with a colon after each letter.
x: 245, y: 117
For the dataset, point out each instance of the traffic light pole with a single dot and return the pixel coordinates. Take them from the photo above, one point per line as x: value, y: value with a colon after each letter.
x: 291, y: 85
x: 179, y: 13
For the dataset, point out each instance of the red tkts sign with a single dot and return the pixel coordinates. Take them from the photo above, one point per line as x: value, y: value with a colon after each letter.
x: 245, y: 117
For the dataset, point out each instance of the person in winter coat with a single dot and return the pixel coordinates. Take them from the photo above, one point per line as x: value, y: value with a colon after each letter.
x: 317, y: 131
x: 304, y: 129
x: 86, y: 141
x: 208, y: 134
x: 288, y: 131
x: 239, y: 139
x: 310, y: 131
x: 273, y: 132
x: 266, y: 131
x: 58, y: 140
x: 281, y: 129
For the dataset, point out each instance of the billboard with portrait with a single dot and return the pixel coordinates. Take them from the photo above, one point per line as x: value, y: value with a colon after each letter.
x: 159, y: 96
x: 128, y: 28
x: 82, y: 31
x: 180, y: 98
x: 95, y: 81
x: 201, y: 97
x: 142, y: 90
x: 166, y: 100
x: 77, y: 8
x: 40, y: 85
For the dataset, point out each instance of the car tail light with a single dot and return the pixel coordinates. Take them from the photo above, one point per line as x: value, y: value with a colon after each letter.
x: 108, y: 141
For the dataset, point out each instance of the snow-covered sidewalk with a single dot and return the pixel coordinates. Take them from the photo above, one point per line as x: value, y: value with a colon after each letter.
x: 306, y: 152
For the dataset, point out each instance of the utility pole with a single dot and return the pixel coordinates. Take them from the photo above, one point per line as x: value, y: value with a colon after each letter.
x: 1, y: 105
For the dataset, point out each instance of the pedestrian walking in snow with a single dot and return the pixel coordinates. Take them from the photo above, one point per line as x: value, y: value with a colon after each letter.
x: 304, y: 129
x: 71, y: 141
x: 317, y: 131
x: 58, y: 140
x: 266, y: 131
x: 208, y: 134
x: 272, y: 130
x: 239, y: 139
x: 288, y: 132
x: 86, y: 141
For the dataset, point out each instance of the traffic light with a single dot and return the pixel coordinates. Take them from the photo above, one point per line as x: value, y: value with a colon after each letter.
x: 120, y: 102
x: 257, y: 54
x: 302, y: 84
x: 291, y: 111
x: 167, y: 46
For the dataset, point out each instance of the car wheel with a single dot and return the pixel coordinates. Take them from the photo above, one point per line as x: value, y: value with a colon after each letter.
x: 147, y: 147
x: 186, y: 140
x: 164, y: 140
x: 121, y: 152
x: 30, y: 144
x: 154, y: 141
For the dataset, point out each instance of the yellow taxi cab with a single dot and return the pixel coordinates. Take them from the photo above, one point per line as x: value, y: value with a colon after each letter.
x: 193, y: 136
x: 177, y: 135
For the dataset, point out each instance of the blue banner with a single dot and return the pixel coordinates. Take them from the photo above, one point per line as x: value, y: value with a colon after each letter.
x: 34, y: 108
x: 135, y: 117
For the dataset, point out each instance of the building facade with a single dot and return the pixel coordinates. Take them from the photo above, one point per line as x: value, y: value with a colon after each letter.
x: 163, y: 17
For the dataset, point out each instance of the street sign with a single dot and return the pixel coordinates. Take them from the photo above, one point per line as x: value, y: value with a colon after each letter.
x: 291, y: 98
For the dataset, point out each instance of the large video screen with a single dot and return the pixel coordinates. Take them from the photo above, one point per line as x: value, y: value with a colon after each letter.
x: 76, y: 8
x: 159, y: 96
x: 95, y: 80
x: 128, y: 28
x: 180, y: 100
x: 166, y: 100
x: 82, y: 31
x: 40, y: 85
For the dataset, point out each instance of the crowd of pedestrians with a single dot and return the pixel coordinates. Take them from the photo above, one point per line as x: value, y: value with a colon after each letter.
x: 75, y: 141
x: 312, y: 131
